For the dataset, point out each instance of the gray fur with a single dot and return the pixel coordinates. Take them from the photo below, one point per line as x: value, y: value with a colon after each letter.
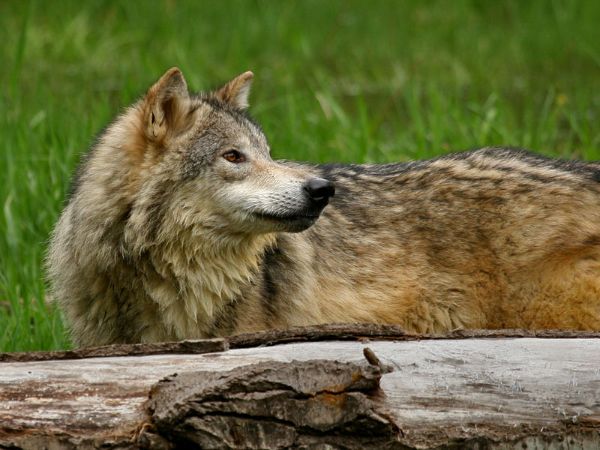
x: 164, y: 239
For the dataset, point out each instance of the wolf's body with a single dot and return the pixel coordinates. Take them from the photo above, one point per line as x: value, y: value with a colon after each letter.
x: 181, y: 226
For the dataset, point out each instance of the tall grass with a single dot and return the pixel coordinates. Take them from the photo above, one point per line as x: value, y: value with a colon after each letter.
x: 342, y: 80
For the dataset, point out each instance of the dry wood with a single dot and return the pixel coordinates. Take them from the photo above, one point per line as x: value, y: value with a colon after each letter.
x: 273, y: 405
x: 501, y: 389
x: 184, y: 347
x: 352, y: 332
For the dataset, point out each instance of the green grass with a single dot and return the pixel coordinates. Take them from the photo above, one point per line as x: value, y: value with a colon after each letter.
x: 363, y: 81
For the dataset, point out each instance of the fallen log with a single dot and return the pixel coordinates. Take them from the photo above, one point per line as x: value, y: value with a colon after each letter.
x: 347, y: 386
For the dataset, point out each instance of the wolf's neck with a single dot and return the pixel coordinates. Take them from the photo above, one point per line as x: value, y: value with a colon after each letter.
x: 198, y: 277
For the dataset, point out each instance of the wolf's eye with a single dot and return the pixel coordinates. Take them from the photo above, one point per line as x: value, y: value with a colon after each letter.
x: 233, y: 156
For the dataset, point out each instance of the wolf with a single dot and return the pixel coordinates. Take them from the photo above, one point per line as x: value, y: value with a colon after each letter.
x: 180, y: 225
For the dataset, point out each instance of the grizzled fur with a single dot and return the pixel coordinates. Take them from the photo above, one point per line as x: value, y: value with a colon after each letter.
x: 180, y: 225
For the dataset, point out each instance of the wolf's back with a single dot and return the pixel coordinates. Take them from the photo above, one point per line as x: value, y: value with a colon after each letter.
x: 483, y: 239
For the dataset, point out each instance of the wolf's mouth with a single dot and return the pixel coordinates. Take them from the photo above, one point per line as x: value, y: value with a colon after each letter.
x: 288, y: 217
x: 291, y: 223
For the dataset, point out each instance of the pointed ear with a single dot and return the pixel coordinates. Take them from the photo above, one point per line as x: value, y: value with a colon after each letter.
x: 166, y: 105
x: 236, y: 92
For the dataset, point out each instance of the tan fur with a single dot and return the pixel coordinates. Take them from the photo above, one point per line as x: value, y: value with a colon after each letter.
x: 165, y: 239
x: 237, y: 90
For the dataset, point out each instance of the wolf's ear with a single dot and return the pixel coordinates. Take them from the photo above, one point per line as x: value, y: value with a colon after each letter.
x: 236, y: 92
x: 166, y: 105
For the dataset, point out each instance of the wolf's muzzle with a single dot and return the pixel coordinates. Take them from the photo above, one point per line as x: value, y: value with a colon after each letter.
x: 319, y: 191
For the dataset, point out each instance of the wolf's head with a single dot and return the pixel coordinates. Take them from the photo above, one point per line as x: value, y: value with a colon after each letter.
x: 199, y: 160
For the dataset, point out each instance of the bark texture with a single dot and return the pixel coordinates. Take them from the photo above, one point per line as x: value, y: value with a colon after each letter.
x: 274, y: 405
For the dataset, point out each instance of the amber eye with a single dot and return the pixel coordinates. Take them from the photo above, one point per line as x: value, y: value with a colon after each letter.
x: 233, y: 156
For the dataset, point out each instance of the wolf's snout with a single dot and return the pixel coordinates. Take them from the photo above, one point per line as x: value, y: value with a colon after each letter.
x: 319, y: 190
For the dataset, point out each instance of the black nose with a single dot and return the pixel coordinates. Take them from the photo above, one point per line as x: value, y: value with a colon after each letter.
x: 319, y: 190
